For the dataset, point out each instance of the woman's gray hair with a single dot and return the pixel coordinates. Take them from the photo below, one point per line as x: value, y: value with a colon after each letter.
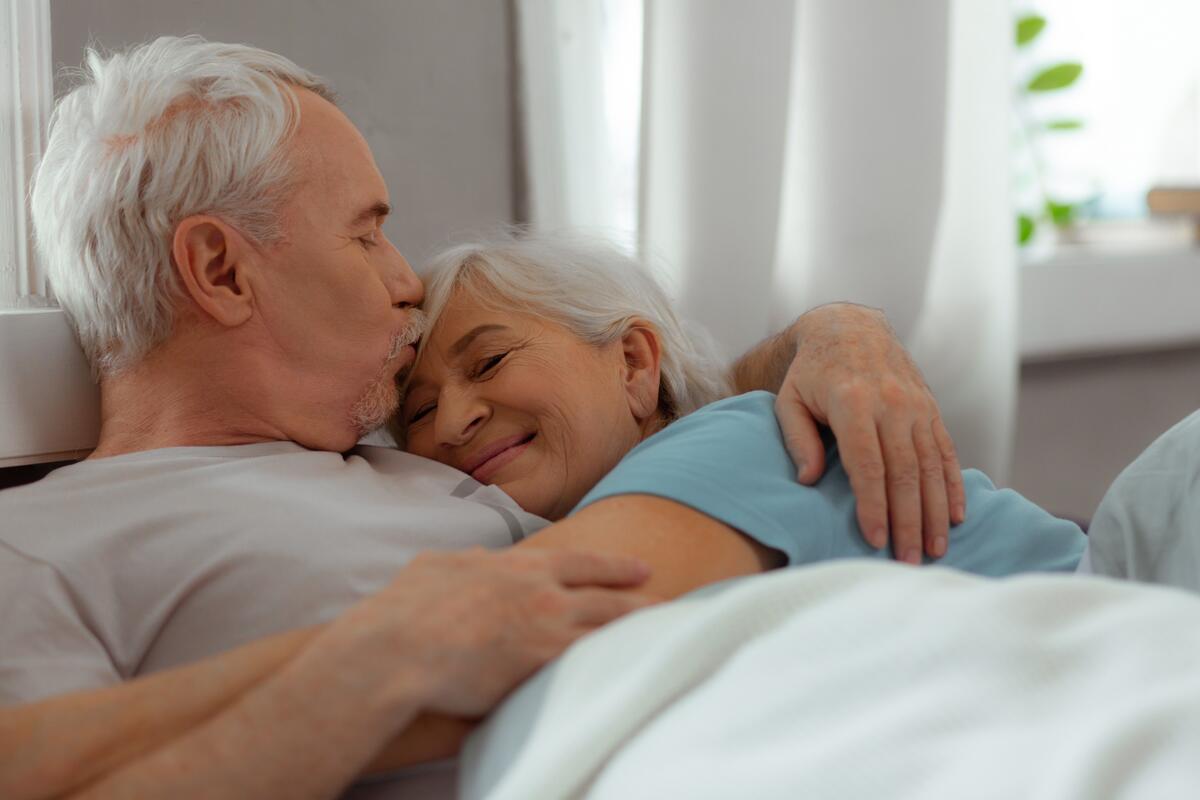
x: 162, y: 131
x: 590, y: 288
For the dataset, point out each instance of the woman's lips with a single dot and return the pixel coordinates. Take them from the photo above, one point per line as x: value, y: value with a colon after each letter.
x: 491, y: 459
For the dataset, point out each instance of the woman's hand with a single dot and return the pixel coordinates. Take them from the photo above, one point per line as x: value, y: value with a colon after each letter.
x: 850, y: 373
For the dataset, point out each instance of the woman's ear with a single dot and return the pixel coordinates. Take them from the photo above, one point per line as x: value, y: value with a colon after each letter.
x: 642, y: 349
x: 213, y: 262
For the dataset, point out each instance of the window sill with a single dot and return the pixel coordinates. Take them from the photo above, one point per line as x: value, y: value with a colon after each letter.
x: 1095, y: 303
x: 49, y: 405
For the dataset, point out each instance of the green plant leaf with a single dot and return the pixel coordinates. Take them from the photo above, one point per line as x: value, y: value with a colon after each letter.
x: 1064, y: 125
x: 1061, y: 214
x: 1056, y: 77
x: 1028, y: 28
x: 1025, y: 229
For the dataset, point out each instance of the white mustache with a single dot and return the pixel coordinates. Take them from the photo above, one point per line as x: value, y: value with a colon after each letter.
x: 412, y: 332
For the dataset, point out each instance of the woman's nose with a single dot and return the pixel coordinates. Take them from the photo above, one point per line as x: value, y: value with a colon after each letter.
x: 459, y: 420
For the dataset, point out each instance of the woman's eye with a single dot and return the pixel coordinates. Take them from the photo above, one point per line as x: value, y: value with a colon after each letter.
x: 488, y: 364
x: 421, y: 413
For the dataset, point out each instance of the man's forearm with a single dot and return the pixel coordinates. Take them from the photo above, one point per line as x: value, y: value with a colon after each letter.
x: 766, y: 365
x: 61, y: 744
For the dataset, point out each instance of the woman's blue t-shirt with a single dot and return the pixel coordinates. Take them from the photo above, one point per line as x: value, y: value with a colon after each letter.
x: 728, y: 461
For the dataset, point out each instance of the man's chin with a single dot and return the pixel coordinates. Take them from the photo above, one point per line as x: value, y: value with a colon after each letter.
x: 376, y: 406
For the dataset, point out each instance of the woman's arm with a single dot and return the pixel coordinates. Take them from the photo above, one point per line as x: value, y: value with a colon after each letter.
x: 71, y: 740
x: 684, y: 548
x: 306, y: 730
x: 65, y: 742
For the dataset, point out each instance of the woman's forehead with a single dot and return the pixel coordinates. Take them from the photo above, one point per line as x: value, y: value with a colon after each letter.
x: 466, y: 311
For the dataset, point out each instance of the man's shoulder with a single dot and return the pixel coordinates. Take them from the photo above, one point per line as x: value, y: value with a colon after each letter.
x: 130, y: 468
x: 86, y: 500
x: 276, y: 485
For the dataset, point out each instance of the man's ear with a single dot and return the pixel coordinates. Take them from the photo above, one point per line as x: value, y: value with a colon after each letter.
x: 642, y: 349
x: 213, y: 262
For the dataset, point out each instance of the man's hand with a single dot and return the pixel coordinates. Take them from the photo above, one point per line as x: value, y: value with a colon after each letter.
x: 850, y: 373
x: 464, y: 628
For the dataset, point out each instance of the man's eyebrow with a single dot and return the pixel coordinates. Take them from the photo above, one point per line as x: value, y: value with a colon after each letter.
x: 465, y: 340
x: 376, y: 210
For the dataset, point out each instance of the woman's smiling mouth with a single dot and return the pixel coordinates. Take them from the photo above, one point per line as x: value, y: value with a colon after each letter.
x: 485, y: 463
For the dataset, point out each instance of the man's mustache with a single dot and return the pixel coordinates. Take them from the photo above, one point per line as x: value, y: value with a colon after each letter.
x: 410, y: 334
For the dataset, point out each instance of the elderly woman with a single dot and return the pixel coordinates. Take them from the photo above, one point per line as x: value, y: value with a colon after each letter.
x: 557, y: 370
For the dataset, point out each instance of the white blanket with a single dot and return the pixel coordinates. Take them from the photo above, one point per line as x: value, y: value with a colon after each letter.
x: 862, y: 680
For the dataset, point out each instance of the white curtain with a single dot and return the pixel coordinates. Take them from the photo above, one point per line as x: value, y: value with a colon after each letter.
x: 25, y: 100
x: 796, y: 152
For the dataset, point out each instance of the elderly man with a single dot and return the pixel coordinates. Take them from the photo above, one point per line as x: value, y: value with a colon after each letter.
x: 219, y: 602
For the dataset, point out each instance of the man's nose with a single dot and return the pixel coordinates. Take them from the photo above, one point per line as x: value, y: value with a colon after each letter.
x: 403, y: 284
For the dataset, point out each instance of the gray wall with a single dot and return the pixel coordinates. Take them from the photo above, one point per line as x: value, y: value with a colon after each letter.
x: 1079, y: 423
x: 427, y: 82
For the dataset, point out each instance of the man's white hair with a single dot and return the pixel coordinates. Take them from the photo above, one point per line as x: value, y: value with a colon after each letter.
x: 590, y: 288
x: 154, y: 134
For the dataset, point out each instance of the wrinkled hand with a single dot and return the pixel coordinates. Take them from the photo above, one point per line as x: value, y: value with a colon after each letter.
x: 466, y: 627
x: 851, y: 374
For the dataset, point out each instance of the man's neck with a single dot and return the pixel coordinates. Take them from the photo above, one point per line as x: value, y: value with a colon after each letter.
x: 170, y: 400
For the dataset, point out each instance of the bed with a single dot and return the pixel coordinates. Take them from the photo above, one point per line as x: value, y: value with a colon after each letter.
x: 863, y: 679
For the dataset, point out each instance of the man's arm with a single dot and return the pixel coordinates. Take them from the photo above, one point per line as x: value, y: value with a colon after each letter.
x: 150, y: 730
x: 452, y: 634
x: 840, y: 365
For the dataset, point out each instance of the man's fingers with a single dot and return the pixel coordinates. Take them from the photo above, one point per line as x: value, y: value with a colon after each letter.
x: 858, y: 443
x: 801, y: 436
x: 956, y: 494
x: 935, y: 507
x: 579, y: 568
x: 595, y: 607
x: 903, y: 490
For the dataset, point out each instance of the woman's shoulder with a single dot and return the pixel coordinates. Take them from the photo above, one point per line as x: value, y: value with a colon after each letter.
x: 747, y: 422
x: 741, y: 422
x: 758, y: 403
x: 739, y: 409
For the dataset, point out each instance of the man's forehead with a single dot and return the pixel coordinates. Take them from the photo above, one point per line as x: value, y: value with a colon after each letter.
x: 331, y: 153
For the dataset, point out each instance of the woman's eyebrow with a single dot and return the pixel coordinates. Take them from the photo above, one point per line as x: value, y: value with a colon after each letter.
x: 465, y: 340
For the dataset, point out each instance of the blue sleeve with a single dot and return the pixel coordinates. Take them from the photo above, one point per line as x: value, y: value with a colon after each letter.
x: 728, y: 461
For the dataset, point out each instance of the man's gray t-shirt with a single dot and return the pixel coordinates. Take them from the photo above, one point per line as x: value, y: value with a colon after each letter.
x: 122, y: 566
x: 1147, y: 527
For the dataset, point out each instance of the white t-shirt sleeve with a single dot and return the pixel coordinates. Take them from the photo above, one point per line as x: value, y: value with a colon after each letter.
x: 48, y: 649
x: 1147, y: 527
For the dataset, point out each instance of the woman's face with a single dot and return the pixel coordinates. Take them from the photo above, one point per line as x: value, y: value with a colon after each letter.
x: 520, y: 402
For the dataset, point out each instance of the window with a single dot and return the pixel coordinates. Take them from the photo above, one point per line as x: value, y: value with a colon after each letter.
x: 26, y: 95
x: 1101, y: 272
x: 1130, y: 122
x: 48, y: 405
